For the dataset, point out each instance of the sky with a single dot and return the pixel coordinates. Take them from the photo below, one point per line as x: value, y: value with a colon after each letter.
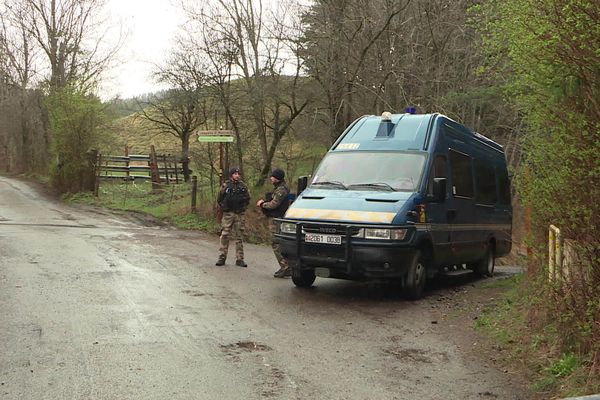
x: 150, y: 27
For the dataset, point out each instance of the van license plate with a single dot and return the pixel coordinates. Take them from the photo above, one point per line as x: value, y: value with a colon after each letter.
x: 325, y: 239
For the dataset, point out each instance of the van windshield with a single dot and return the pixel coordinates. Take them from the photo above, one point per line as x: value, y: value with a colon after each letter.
x: 370, y: 170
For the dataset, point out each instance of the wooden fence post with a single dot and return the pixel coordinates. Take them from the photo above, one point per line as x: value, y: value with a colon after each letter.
x: 194, y: 192
x: 154, y: 169
x: 97, y: 181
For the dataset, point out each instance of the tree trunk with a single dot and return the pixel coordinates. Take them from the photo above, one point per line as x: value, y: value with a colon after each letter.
x: 185, y: 156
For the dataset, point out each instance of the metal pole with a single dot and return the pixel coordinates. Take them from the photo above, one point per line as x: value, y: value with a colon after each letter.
x: 555, y: 253
x: 221, y: 166
x: 227, y: 157
x: 127, y: 163
x: 551, y: 253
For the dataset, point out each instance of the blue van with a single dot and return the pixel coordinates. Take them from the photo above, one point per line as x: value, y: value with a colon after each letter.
x: 401, y: 197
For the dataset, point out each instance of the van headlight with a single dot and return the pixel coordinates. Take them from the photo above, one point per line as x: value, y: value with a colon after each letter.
x: 287, y: 227
x: 384, y: 233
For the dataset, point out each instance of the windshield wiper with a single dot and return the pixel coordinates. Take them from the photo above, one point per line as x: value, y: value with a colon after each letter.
x: 379, y: 185
x: 331, y: 183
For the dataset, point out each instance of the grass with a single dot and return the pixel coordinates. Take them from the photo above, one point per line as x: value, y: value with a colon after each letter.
x: 172, y: 204
x: 502, y: 320
x: 510, y: 322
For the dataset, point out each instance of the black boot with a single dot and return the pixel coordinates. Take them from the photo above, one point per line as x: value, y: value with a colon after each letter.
x: 282, y: 272
x: 221, y: 261
x: 241, y: 263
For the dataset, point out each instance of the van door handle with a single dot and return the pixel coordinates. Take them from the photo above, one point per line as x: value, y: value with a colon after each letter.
x: 451, y: 214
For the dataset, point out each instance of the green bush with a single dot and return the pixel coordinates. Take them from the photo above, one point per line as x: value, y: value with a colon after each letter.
x: 75, y: 121
x: 547, y: 53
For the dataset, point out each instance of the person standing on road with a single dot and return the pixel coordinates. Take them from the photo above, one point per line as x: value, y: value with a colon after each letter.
x: 233, y: 199
x: 275, y: 206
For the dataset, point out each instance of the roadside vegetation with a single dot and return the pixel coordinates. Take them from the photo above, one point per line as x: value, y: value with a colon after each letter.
x: 522, y: 72
x: 549, y: 51
x: 172, y: 204
x: 533, y: 341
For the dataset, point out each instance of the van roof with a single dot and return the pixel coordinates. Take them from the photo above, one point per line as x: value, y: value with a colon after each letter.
x: 400, y: 132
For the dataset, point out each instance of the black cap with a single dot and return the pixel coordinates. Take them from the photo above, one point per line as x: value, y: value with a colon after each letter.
x: 278, y: 174
x: 233, y: 170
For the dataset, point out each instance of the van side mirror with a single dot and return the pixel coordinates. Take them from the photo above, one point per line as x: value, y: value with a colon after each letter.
x: 439, y: 190
x: 302, y: 184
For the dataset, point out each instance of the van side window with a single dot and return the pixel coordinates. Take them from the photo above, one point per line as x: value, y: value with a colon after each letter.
x: 503, y: 185
x: 462, y: 174
x: 485, y: 183
x: 439, y: 170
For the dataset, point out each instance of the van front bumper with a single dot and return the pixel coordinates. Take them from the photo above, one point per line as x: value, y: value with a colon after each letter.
x: 354, y: 259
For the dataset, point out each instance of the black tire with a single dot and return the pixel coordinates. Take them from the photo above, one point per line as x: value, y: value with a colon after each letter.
x: 303, y: 278
x: 414, y: 285
x: 485, y: 266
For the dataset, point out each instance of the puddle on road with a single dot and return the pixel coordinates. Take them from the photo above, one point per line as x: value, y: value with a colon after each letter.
x: 417, y: 355
x: 247, y: 346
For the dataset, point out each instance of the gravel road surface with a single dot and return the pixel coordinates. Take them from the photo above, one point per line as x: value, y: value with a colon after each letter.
x: 96, y: 305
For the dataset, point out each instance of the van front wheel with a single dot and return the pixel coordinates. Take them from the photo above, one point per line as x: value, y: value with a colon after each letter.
x: 414, y: 284
x: 303, y: 278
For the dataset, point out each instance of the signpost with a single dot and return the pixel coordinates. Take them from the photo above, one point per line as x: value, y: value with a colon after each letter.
x: 215, y: 139
x: 218, y: 136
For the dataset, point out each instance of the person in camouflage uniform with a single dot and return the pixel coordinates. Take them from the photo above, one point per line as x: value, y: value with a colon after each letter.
x: 233, y: 199
x: 276, y: 207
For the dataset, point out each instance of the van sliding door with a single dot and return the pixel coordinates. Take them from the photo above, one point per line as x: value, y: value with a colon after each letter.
x: 464, y: 234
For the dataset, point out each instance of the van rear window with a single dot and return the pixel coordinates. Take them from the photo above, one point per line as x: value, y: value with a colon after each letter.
x: 485, y: 183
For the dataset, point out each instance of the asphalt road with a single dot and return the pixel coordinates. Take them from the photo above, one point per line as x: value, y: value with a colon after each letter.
x: 99, y: 306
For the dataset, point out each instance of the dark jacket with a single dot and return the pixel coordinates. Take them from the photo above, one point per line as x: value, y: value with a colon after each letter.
x: 233, y: 196
x: 277, y: 204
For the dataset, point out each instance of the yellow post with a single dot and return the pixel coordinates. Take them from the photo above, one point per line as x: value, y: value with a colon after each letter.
x: 555, y: 257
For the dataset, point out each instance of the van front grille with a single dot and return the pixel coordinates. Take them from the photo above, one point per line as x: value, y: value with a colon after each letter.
x: 330, y: 229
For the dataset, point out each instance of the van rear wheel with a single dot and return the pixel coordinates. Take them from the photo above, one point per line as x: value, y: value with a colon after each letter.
x: 414, y: 284
x: 485, y: 266
x: 303, y: 278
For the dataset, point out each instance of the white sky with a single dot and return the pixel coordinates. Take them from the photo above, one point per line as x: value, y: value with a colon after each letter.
x: 150, y: 26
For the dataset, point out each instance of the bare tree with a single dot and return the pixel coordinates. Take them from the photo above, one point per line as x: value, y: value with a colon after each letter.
x: 182, y: 108
x: 71, y: 34
x: 340, y: 39
x: 17, y: 51
x: 17, y: 68
x: 60, y: 46
x: 371, y: 56
x: 246, y: 44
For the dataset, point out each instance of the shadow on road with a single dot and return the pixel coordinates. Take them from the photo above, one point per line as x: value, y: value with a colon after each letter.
x: 342, y: 291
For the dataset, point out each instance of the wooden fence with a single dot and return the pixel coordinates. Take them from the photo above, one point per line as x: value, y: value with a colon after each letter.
x: 158, y: 168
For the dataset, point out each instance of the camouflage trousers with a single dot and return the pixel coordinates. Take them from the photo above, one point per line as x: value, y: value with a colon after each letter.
x: 232, y: 224
x: 276, y: 248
